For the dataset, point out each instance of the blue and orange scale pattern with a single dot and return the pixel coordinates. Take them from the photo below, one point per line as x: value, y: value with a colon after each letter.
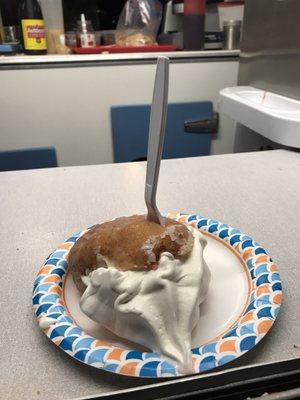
x: 255, y: 321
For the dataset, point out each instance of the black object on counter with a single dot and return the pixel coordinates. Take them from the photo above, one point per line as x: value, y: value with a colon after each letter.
x: 241, y: 383
x: 33, y: 28
x: 209, y: 125
x: 193, y: 24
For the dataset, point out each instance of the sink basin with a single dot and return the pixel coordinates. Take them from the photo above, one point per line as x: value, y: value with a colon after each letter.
x: 273, y: 116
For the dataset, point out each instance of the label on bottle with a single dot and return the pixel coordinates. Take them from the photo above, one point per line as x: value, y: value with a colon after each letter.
x: 87, y: 40
x: 34, y: 34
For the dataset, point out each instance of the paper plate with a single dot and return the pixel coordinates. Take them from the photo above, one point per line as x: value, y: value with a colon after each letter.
x: 242, y: 303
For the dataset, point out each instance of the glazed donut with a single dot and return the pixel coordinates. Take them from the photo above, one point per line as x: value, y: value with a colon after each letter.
x: 127, y: 243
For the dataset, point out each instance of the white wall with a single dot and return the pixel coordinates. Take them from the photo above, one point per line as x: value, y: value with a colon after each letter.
x: 69, y: 108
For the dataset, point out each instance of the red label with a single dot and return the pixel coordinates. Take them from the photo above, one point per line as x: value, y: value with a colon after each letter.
x: 36, y: 31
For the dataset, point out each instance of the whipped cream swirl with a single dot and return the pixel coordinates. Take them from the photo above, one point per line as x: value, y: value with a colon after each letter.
x: 158, y: 309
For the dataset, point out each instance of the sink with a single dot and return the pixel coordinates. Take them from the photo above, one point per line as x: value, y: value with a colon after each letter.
x: 273, y: 116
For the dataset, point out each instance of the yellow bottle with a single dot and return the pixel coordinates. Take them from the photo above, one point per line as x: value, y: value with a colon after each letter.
x: 33, y: 28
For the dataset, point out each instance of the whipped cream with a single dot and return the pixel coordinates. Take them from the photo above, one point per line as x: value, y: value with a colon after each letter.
x: 158, y: 309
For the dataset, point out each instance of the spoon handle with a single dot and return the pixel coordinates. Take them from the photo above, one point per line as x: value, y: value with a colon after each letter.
x: 156, y: 137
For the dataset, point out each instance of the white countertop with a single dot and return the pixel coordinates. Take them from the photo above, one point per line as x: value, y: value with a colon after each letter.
x: 113, y: 58
x: 255, y: 192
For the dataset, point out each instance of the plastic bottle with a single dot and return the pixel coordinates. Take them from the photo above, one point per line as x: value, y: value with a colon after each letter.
x: 85, y: 33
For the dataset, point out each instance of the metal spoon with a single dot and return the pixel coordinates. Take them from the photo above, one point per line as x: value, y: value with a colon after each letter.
x: 156, y: 137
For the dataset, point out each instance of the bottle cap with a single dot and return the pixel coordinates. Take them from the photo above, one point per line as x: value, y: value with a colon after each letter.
x: 83, y: 23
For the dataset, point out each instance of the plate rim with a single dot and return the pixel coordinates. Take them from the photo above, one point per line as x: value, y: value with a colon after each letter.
x: 254, y: 322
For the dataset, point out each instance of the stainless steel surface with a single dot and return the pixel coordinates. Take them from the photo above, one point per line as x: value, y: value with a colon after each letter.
x: 270, y: 48
x: 156, y: 137
x: 39, y: 209
x: 112, y: 58
x: 231, y: 34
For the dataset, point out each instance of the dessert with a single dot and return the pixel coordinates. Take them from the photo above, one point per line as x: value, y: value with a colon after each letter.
x: 144, y: 282
x: 127, y: 243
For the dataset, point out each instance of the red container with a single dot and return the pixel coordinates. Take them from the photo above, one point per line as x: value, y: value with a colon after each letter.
x: 123, y: 49
x: 193, y: 24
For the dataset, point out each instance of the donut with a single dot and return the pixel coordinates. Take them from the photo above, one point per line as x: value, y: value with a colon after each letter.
x: 127, y: 243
